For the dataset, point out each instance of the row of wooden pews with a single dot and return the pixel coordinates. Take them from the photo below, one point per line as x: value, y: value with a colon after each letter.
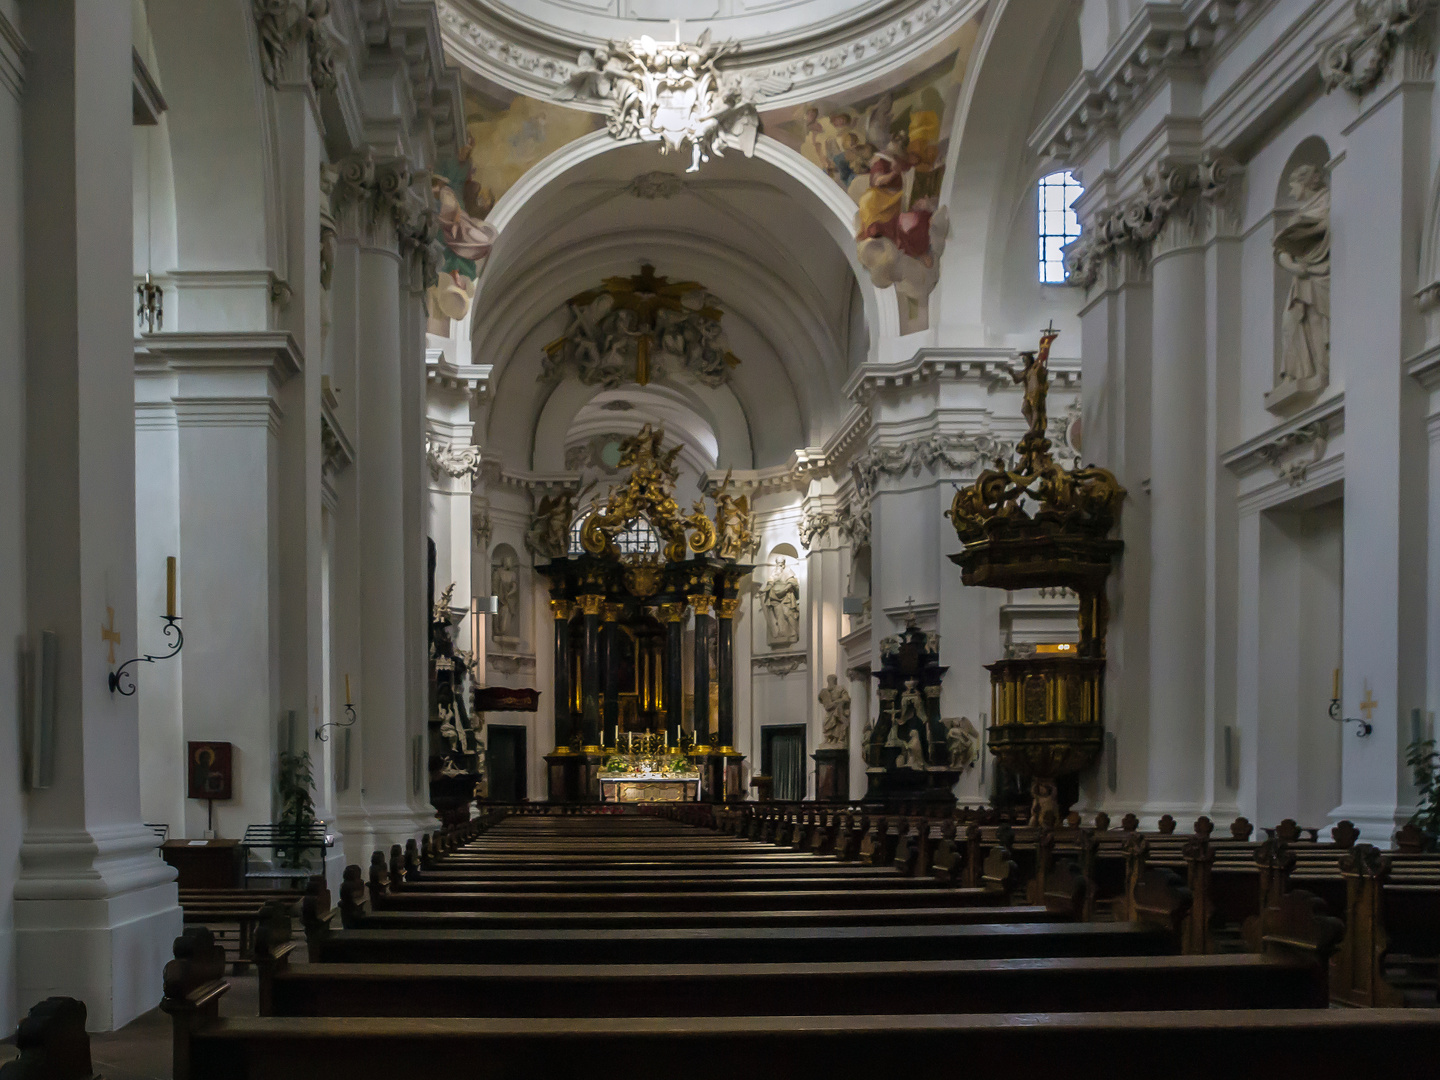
x: 1388, y: 902
x: 672, y: 943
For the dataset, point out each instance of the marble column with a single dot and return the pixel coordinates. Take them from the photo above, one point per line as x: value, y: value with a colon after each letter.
x: 562, y: 609
x: 674, y: 616
x: 590, y: 608
x: 725, y: 662
x: 611, y: 713
x: 95, y: 911
x: 700, y: 719
x: 1178, y: 476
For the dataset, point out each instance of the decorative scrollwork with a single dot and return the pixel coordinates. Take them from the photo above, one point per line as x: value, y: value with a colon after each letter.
x: 646, y: 493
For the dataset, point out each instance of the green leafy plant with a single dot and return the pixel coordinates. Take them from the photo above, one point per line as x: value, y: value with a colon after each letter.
x: 297, y: 806
x: 1424, y: 762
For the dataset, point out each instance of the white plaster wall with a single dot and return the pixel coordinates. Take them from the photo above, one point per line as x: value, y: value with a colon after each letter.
x: 12, y: 523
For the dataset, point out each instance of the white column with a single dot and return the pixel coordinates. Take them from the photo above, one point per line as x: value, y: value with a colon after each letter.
x: 824, y: 574
x: 12, y: 489
x: 95, y: 909
x: 1115, y: 376
x: 1177, y: 525
x: 1377, y: 193
x: 301, y: 657
x: 385, y: 683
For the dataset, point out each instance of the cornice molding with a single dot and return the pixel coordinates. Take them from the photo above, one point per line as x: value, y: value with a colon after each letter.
x: 1161, y: 38
x: 12, y: 58
x: 274, y: 352
x: 949, y: 363
x: 472, y: 379
x: 535, y: 59
x: 1276, y: 446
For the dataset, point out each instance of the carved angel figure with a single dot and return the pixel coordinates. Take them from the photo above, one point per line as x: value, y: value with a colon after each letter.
x: 961, y: 740
x: 549, y: 532
x: 734, y: 525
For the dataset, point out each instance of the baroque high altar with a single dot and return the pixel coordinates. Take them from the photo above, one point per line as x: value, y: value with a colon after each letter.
x: 623, y: 730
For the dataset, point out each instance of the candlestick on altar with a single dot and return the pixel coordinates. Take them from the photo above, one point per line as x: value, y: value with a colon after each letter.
x: 170, y: 586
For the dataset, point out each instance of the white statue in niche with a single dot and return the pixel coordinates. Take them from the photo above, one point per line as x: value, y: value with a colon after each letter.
x: 505, y: 584
x: 961, y: 741
x: 780, y: 599
x: 835, y: 700
x: 1302, y: 249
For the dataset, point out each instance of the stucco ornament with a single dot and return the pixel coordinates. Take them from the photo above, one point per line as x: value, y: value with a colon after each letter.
x: 673, y: 93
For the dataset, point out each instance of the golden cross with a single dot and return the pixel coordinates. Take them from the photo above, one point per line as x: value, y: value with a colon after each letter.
x: 1369, y: 705
x: 109, y: 633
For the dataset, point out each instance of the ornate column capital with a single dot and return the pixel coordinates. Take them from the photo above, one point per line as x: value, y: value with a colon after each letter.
x: 1359, y: 59
x: 673, y: 612
x: 701, y: 602
x: 283, y: 25
x: 591, y: 604
x: 562, y: 609
x: 729, y: 606
x: 1181, y: 205
x: 612, y: 610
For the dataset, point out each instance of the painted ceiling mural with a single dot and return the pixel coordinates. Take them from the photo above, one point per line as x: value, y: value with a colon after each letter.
x: 888, y: 152
x: 508, y: 135
x: 886, y: 149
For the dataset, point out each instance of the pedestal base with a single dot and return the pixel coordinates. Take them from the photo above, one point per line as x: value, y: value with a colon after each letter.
x: 931, y: 786
x: 720, y: 773
x: 573, y: 777
x: 832, y: 774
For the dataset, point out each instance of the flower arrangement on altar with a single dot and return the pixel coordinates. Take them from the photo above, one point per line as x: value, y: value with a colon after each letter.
x: 647, y: 754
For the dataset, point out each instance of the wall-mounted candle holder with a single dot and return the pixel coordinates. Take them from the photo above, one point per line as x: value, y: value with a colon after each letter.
x: 342, y: 724
x: 320, y: 735
x: 172, y: 630
x: 1364, y: 728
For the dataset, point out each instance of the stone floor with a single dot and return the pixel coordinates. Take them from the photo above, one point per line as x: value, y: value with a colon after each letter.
x: 141, y: 1049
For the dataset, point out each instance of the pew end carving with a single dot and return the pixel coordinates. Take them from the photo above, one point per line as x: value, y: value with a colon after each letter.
x: 52, y: 1042
x: 194, y: 982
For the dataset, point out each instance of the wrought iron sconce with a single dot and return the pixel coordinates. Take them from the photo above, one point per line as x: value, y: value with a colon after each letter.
x: 172, y: 627
x: 342, y: 724
x: 1362, y: 731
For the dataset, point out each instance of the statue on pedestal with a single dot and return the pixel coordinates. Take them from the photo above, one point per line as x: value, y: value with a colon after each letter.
x: 835, y: 700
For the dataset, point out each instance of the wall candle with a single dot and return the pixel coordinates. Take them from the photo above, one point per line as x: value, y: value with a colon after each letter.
x: 1335, y: 686
x: 475, y: 631
x: 347, y: 688
x: 170, y: 586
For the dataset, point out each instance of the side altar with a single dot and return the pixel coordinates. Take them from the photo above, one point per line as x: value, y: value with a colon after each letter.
x: 621, y: 606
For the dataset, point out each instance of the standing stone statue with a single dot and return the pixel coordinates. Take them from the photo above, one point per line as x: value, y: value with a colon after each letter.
x: 1302, y: 249
x: 505, y: 584
x: 780, y: 599
x: 835, y: 700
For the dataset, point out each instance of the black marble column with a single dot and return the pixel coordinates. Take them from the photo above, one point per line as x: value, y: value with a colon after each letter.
x: 563, y: 719
x: 590, y: 671
x: 674, y: 674
x: 703, y: 629
x: 725, y: 662
x: 611, y: 712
